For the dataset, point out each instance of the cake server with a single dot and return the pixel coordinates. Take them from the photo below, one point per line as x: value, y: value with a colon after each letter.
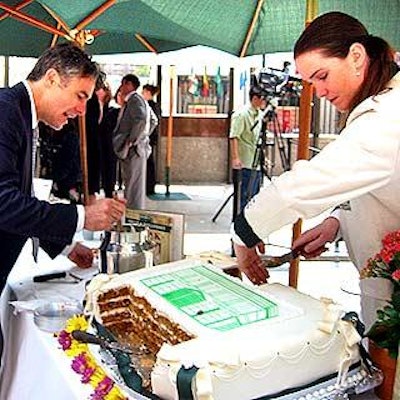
x: 277, y: 261
x: 86, y: 337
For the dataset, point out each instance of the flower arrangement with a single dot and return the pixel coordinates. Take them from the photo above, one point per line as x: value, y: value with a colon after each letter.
x: 85, y: 365
x: 385, y: 332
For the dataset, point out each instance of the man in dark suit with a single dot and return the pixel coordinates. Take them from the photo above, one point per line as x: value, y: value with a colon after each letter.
x: 57, y: 89
x: 131, y: 140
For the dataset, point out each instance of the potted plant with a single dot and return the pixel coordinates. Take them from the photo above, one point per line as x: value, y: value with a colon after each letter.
x: 384, y: 334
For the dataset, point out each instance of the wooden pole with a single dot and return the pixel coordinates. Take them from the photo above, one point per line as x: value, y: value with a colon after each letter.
x: 170, y: 129
x: 32, y: 21
x: 145, y: 43
x: 304, y: 139
x: 251, y: 28
x: 97, y: 12
x: 19, y: 6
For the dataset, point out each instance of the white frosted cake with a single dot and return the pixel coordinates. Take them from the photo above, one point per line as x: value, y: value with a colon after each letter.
x: 245, y: 342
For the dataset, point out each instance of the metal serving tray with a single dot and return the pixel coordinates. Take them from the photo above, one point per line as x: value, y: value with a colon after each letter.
x: 51, y: 317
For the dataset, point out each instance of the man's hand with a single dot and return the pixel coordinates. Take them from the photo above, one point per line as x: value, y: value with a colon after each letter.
x: 101, y: 214
x: 312, y: 243
x: 250, y: 262
x: 81, y: 255
x: 236, y: 163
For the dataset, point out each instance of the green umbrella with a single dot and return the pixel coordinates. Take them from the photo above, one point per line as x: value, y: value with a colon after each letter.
x: 240, y: 27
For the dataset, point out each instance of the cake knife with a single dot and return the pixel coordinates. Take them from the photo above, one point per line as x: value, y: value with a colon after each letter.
x: 277, y: 261
x: 86, y: 337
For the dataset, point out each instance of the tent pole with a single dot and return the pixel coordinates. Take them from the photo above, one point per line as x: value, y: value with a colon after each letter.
x: 32, y: 21
x: 251, y: 28
x: 170, y: 129
x: 80, y: 40
x: 6, y: 71
x: 304, y: 134
x: 145, y: 43
x: 97, y: 12
x: 16, y: 7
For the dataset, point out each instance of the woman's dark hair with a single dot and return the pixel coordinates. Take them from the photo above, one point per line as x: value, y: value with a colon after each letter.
x: 333, y: 34
x: 154, y: 90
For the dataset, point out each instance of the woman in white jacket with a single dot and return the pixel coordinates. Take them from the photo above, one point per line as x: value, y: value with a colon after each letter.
x: 356, y: 72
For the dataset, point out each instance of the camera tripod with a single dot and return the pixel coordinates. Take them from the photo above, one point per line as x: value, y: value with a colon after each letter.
x: 264, y: 156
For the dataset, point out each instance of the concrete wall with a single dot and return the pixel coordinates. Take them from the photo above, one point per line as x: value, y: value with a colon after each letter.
x: 200, y: 149
x: 196, y: 160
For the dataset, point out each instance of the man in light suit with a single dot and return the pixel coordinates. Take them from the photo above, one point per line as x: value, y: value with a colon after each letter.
x: 57, y: 89
x: 131, y: 141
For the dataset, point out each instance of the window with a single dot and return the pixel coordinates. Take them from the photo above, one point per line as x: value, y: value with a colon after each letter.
x: 203, y: 94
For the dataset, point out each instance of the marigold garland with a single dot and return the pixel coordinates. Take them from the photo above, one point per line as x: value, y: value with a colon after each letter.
x: 85, y: 365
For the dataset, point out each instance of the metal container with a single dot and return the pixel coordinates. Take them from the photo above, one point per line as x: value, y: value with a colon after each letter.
x: 52, y: 317
x: 126, y: 250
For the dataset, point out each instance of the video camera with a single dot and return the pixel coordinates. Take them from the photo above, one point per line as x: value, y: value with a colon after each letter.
x: 275, y: 82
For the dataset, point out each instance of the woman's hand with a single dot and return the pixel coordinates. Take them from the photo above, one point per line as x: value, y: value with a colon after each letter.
x: 250, y: 263
x: 312, y: 243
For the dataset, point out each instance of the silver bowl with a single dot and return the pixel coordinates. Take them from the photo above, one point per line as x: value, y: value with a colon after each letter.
x: 52, y: 317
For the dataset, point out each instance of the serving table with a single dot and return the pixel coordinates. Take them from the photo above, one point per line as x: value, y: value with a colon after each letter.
x: 34, y: 367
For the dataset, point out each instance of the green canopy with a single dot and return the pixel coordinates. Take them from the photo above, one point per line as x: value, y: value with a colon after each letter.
x: 240, y: 27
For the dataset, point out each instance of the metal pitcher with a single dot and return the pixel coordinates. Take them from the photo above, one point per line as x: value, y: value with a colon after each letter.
x: 122, y: 251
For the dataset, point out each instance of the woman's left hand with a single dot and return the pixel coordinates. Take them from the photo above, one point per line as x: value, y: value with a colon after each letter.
x: 250, y: 263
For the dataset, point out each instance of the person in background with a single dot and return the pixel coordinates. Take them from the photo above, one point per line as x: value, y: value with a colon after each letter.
x: 107, y: 120
x: 60, y: 159
x: 356, y: 72
x: 56, y: 90
x: 93, y: 119
x: 131, y: 141
x: 148, y: 93
x: 244, y: 137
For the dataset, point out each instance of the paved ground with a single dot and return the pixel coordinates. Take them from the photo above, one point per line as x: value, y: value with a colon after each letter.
x: 334, y: 278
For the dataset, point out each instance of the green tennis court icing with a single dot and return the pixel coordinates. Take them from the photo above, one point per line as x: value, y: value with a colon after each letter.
x: 211, y: 299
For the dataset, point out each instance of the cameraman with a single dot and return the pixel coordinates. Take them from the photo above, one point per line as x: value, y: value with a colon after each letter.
x: 244, y: 136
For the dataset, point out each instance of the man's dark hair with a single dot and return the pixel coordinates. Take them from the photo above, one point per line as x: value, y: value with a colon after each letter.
x: 151, y: 88
x: 255, y: 91
x: 132, y: 79
x: 68, y: 60
x: 101, y: 81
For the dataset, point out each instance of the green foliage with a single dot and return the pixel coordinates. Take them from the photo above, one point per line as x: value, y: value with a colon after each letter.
x: 385, y: 332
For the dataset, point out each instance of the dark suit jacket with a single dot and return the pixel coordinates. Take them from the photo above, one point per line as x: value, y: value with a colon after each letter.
x: 23, y: 216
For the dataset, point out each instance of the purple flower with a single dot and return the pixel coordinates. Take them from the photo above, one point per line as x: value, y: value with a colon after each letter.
x: 102, y: 389
x: 87, y: 374
x: 79, y: 364
x: 65, y: 340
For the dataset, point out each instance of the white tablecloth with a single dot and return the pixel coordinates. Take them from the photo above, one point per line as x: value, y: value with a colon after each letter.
x: 34, y: 365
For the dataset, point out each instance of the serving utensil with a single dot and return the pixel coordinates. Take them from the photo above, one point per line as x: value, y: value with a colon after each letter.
x: 63, y: 277
x: 277, y: 261
x: 86, y: 337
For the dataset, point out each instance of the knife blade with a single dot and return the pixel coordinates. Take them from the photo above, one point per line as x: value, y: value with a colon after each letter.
x: 277, y: 261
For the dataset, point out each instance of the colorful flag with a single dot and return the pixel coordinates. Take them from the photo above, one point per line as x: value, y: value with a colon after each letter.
x: 205, y: 91
x: 193, y: 84
x: 243, y: 79
x: 219, y: 89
